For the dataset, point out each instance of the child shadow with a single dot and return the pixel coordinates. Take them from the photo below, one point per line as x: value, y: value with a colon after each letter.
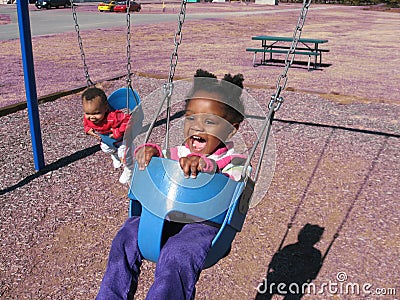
x: 293, y: 267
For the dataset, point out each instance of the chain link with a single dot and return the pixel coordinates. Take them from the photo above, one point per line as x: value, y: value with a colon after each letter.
x: 276, y: 100
x: 83, y: 57
x: 177, y: 41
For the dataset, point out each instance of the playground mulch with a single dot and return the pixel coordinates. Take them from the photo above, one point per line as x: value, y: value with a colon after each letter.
x: 336, y: 152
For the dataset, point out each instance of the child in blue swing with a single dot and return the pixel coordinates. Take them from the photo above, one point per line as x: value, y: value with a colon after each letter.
x: 213, y: 113
x: 100, y: 119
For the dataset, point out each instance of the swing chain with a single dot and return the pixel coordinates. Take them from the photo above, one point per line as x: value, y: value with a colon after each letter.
x: 83, y: 57
x: 177, y: 41
x: 128, y: 43
x: 276, y: 101
x: 169, y: 86
x: 128, y: 55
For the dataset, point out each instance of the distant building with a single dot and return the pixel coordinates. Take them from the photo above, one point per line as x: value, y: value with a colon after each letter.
x: 270, y: 2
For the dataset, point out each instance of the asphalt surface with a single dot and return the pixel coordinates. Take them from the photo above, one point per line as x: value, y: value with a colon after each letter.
x: 54, y: 21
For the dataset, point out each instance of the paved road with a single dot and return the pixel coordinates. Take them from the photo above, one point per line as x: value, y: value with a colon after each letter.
x: 60, y: 20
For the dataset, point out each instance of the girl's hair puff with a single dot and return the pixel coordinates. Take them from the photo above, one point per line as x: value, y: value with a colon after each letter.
x: 229, y: 89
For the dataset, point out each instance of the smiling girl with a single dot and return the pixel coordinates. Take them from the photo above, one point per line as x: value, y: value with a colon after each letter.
x: 213, y: 113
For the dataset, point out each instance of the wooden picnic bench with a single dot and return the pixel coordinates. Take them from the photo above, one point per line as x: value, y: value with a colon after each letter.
x: 279, y: 45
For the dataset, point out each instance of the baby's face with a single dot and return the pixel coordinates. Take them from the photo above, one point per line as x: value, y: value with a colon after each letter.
x: 94, y: 110
x: 206, y: 126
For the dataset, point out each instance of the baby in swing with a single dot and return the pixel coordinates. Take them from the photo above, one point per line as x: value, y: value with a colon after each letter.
x: 99, y: 119
x: 213, y: 113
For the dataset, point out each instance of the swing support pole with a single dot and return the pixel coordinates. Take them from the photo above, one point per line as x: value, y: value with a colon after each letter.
x: 30, y: 84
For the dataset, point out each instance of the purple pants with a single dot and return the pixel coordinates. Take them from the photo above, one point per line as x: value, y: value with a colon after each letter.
x: 178, y: 268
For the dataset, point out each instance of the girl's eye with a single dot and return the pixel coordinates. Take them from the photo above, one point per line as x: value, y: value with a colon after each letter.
x: 189, y: 118
x: 210, y: 122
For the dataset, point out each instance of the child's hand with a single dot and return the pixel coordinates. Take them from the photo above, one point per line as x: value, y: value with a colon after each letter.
x: 94, y: 134
x: 191, y: 165
x: 144, y: 155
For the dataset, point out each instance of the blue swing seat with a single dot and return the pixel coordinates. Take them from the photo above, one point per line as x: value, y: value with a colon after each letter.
x: 118, y: 100
x: 162, y: 189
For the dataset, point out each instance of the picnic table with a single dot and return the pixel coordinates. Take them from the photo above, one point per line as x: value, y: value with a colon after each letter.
x: 281, y: 45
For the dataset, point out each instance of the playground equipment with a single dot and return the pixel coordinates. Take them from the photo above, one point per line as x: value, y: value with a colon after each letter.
x: 123, y: 98
x: 30, y: 84
x: 161, y: 189
x: 235, y: 196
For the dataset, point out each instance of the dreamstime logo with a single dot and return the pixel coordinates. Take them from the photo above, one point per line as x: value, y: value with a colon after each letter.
x: 341, y: 286
x: 341, y: 276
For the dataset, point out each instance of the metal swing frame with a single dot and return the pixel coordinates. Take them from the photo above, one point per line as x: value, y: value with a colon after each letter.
x: 161, y: 188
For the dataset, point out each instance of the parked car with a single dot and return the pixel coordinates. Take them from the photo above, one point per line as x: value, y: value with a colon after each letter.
x: 106, y: 5
x: 52, y: 3
x: 121, y: 6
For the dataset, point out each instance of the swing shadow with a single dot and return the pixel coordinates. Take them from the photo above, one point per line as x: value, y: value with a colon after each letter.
x: 296, y: 265
x: 357, y: 196
x: 297, y: 64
